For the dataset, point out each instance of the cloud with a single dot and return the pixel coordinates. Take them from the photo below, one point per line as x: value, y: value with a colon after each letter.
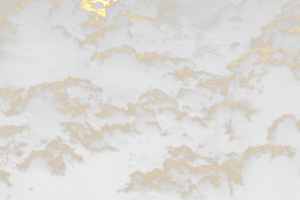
x: 52, y: 160
x: 234, y: 46
x: 32, y: 17
x: 113, y: 114
x: 98, y: 5
x: 237, y: 121
x: 131, y: 60
x: 7, y: 95
x: 39, y: 99
x: 135, y: 94
x: 210, y: 57
x: 52, y: 100
x: 4, y: 178
x: 3, y: 57
x: 138, y: 7
x: 262, y: 76
x: 179, y: 179
x: 114, y: 34
x: 144, y: 8
x: 232, y: 179
x: 86, y: 136
x: 285, y: 131
x: 118, y: 95
x: 262, y: 170
x: 184, y: 152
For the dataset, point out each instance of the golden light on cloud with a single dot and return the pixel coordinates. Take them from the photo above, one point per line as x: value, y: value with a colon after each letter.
x: 88, y: 5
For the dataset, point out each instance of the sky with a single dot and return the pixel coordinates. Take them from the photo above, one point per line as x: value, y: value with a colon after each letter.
x: 162, y: 99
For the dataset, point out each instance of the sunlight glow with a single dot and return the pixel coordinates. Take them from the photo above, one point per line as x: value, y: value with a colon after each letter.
x: 88, y: 6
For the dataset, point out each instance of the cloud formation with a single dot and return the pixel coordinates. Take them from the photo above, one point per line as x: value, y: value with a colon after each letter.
x: 150, y: 99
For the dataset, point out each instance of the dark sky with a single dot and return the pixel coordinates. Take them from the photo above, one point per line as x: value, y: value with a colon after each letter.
x: 144, y: 100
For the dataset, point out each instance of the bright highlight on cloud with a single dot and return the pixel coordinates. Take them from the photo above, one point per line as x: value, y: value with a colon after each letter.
x: 161, y: 99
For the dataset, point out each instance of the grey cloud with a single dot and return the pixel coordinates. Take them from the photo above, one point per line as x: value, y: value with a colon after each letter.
x: 39, y: 99
x: 204, y: 94
x: 112, y: 10
x: 113, y: 114
x: 184, y: 152
x: 3, y: 57
x: 118, y: 95
x: 157, y: 98
x: 155, y: 93
x: 67, y: 8
x: 98, y: 5
x: 41, y: 160
x: 132, y: 60
x: 7, y: 95
x: 234, y: 46
x: 181, y: 180
x: 180, y: 121
x: 238, y: 121
x: 282, y: 30
x: 138, y: 7
x: 210, y: 58
x: 31, y: 20
x: 4, y: 178
x: 256, y: 74
x: 282, y: 37
x: 264, y: 168
x: 233, y: 179
x: 53, y: 159
x: 284, y: 130
x: 53, y: 101
x: 186, y: 23
x: 11, y: 133
x: 144, y: 8
x: 189, y: 77
x: 138, y: 101
x: 114, y: 34
x: 86, y: 136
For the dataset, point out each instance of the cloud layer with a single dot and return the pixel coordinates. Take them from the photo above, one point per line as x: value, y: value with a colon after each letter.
x: 166, y: 99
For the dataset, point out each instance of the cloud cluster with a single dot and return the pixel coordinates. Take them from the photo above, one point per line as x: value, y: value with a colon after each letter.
x: 53, y: 159
x: 161, y: 99
x: 237, y: 178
